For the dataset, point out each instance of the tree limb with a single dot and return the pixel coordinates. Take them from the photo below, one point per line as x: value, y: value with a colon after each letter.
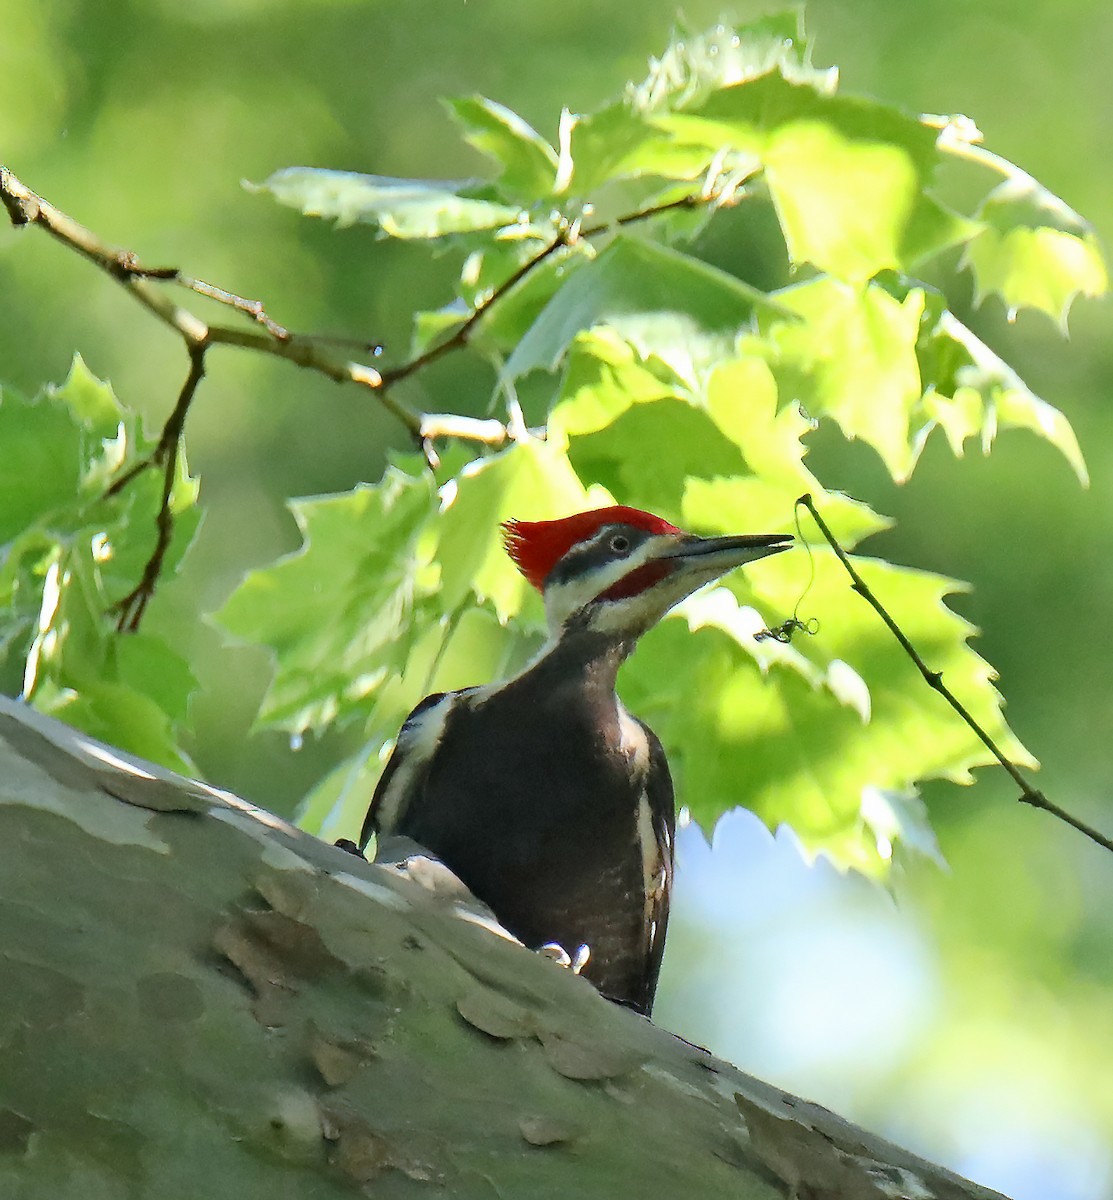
x: 216, y: 1004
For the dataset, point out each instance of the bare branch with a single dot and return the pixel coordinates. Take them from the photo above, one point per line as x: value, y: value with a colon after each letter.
x: 459, y: 338
x: 25, y: 207
x: 132, y: 607
x: 934, y: 679
x: 311, y: 352
x: 568, y: 234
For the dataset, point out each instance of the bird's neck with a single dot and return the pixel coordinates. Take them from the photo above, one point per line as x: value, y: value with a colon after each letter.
x: 581, y: 658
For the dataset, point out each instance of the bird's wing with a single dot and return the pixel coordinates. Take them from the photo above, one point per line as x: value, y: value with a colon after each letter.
x: 662, y: 814
x: 404, y: 774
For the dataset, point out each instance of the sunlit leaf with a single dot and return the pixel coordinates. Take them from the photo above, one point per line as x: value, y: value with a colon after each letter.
x: 852, y: 356
x: 742, y: 397
x: 783, y: 744
x: 974, y: 392
x: 694, y: 65
x: 736, y: 455
x: 400, y: 208
x: 1034, y: 251
x: 339, y: 614
x: 848, y: 176
x: 527, y: 161
x: 622, y: 139
x: 660, y: 299
x: 532, y: 480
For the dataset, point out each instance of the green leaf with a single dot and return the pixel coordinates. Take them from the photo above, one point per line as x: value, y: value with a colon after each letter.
x: 68, y: 552
x: 626, y: 456
x: 695, y: 65
x: 664, y: 301
x: 851, y: 205
x: 399, y: 208
x: 973, y: 391
x: 488, y: 270
x: 93, y: 404
x: 118, y: 714
x: 531, y: 479
x: 735, y: 460
x: 623, y: 140
x: 848, y: 176
x: 42, y: 461
x: 528, y: 162
x: 852, y: 357
x: 782, y: 742
x: 890, y: 364
x: 341, y: 613
x: 147, y: 665
x: 605, y: 374
x: 619, y: 143
x: 742, y: 397
x: 1034, y: 251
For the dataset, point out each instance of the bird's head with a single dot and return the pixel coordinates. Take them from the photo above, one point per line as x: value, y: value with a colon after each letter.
x: 618, y: 570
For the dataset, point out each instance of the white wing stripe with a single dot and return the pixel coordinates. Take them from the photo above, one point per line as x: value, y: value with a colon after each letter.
x: 417, y: 741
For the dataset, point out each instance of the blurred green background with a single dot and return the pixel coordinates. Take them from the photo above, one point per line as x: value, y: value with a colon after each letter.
x: 971, y: 1015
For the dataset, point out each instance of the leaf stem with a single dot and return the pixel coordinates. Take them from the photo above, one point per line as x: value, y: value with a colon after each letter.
x: 934, y: 679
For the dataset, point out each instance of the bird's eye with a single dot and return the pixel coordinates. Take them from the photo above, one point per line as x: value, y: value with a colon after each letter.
x: 620, y: 543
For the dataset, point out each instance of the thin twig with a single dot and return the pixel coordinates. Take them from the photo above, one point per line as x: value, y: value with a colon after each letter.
x: 463, y: 332
x: 567, y: 234
x: 251, y: 308
x: 25, y: 207
x: 132, y: 607
x: 934, y: 679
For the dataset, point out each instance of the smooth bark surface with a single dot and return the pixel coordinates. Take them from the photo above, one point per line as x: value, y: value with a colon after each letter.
x: 198, y: 1000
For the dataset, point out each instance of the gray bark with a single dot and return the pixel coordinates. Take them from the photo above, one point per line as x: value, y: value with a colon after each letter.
x: 198, y: 1000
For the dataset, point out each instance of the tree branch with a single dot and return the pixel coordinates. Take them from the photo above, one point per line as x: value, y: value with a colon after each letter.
x: 934, y: 679
x: 308, y: 351
x: 257, y: 1013
x: 459, y: 338
x: 132, y: 607
x: 568, y: 234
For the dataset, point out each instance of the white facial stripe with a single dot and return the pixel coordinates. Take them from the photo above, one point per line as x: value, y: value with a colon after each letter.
x: 563, y: 599
x: 647, y: 608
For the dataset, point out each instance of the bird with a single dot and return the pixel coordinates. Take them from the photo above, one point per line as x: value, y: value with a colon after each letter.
x: 549, y: 801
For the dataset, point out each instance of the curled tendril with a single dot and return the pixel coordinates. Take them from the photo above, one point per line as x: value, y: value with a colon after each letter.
x: 783, y: 632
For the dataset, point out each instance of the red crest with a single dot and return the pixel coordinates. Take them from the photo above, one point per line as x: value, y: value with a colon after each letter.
x: 537, y: 546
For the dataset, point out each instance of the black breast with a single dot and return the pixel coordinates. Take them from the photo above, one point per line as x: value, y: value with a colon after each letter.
x: 532, y: 797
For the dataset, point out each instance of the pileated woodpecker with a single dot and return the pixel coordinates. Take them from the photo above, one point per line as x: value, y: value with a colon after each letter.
x: 543, y: 794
